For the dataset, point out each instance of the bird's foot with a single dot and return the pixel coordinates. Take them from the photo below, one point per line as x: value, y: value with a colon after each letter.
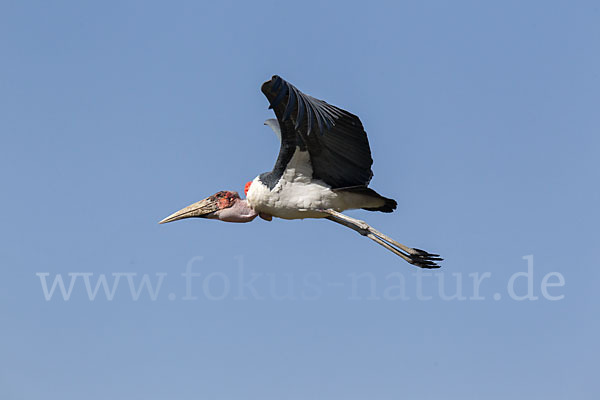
x: 423, y: 259
x: 417, y: 257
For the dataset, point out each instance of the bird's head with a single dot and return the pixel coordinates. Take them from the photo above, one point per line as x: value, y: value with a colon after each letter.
x: 224, y: 205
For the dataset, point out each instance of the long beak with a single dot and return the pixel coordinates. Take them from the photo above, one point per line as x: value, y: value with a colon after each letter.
x: 200, y: 209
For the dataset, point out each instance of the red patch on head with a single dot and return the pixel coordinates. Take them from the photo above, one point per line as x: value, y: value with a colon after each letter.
x: 247, y: 187
x: 225, y: 198
x: 224, y: 202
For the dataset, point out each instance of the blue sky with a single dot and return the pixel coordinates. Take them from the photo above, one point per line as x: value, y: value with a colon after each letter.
x: 483, y: 122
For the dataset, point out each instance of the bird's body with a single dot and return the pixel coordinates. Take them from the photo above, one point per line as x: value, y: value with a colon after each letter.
x: 298, y: 195
x: 323, y: 168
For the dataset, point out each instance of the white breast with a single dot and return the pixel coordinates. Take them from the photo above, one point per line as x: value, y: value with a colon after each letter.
x: 296, y: 195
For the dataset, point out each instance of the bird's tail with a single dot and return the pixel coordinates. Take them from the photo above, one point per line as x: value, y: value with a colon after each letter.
x: 388, y: 206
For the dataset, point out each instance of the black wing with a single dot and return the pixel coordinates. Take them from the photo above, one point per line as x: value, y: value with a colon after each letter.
x: 335, y: 139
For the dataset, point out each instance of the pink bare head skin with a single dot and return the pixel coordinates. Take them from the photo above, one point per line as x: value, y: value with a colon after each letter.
x: 224, y: 205
x: 233, y: 209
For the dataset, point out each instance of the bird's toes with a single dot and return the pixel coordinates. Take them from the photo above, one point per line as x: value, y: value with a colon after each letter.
x: 423, y: 259
x: 424, y: 254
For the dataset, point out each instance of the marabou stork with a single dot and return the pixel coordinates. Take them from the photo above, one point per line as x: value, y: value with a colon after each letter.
x: 323, y: 168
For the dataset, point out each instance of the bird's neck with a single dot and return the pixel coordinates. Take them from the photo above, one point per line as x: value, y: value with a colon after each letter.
x: 240, y: 211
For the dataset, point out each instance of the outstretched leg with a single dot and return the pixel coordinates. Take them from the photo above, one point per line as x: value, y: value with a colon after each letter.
x: 417, y: 257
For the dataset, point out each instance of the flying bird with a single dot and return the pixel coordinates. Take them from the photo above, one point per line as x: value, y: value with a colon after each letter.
x: 323, y: 168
